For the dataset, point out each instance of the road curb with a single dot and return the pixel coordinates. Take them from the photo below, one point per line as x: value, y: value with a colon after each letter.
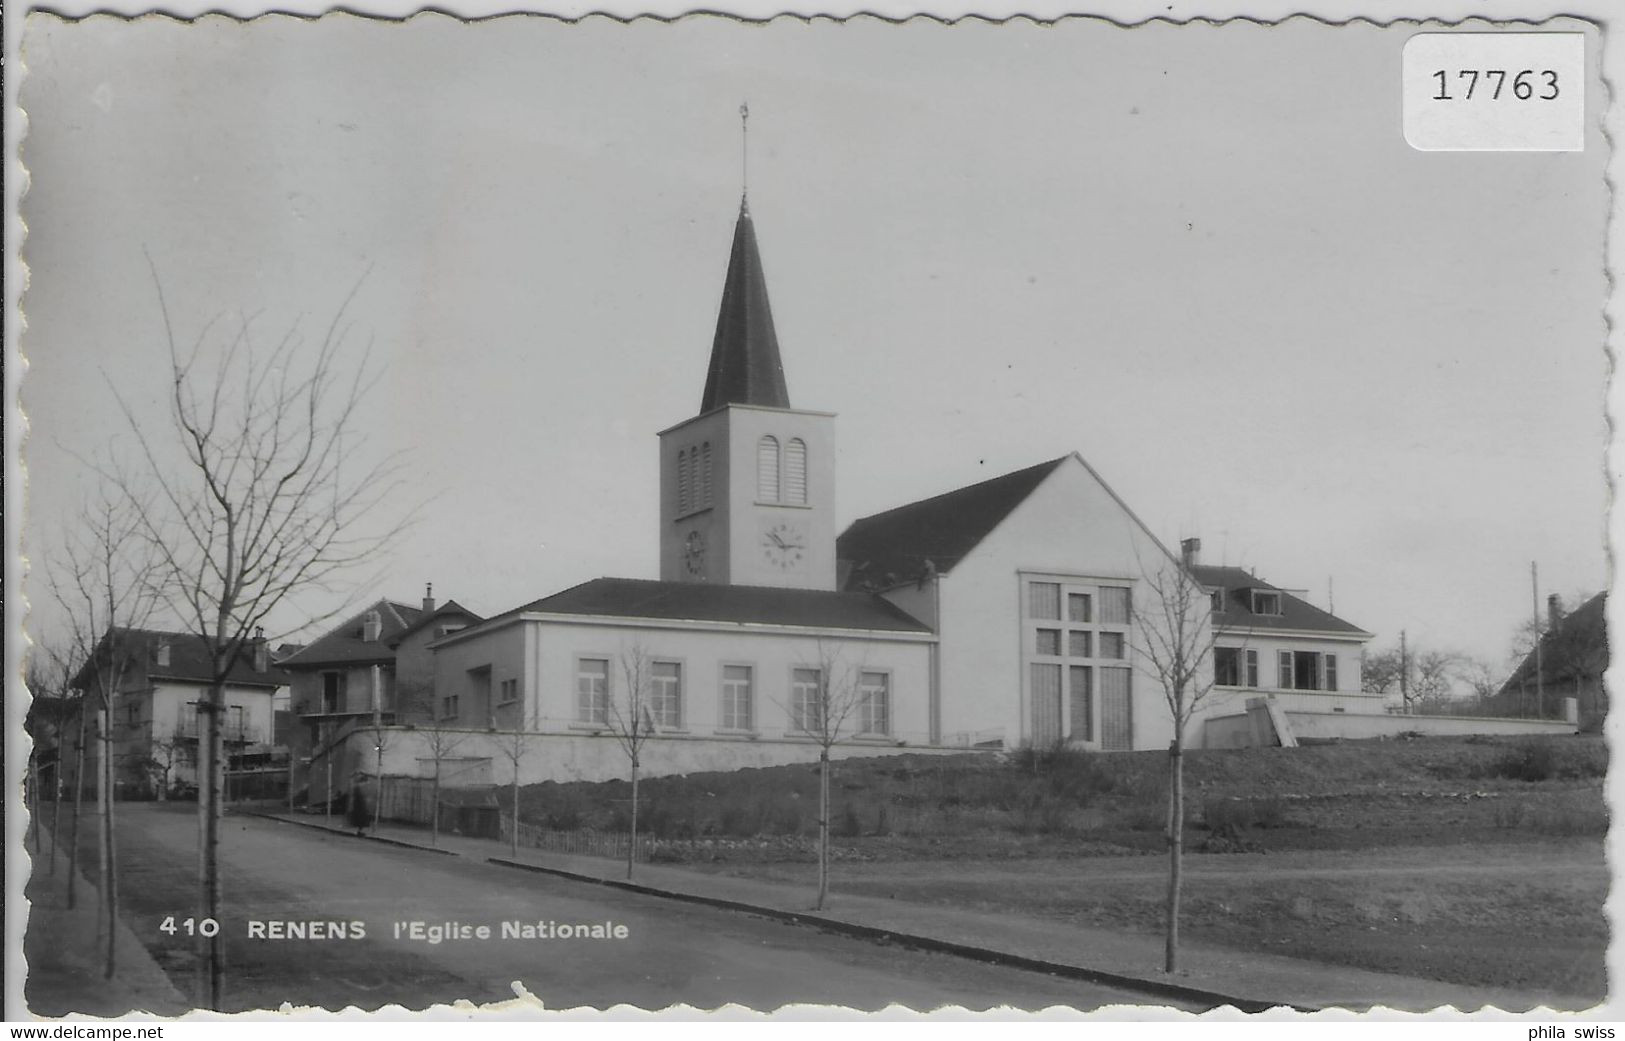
x: 346, y: 834
x: 929, y: 943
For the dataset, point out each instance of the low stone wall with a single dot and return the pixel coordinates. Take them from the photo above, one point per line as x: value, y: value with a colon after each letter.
x: 1237, y: 731
x: 599, y: 757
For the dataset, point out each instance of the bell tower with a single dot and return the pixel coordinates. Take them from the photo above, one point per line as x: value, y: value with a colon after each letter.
x: 747, y: 486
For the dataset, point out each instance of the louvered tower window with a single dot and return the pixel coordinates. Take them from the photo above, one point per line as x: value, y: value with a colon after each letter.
x: 767, y: 469
x: 705, y: 475
x: 795, y: 472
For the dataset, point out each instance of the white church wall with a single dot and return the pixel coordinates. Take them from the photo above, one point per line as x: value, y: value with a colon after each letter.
x: 547, y: 663
x: 1069, y: 525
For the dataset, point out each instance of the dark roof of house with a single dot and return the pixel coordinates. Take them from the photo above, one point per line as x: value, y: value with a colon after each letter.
x: 941, y: 529
x: 1576, y: 646
x: 189, y: 659
x: 449, y: 609
x: 1237, y: 584
x: 698, y: 602
x: 745, y: 367
x: 344, y: 645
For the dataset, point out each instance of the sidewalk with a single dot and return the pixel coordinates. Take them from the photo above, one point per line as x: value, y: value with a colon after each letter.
x: 1251, y: 981
x: 64, y: 953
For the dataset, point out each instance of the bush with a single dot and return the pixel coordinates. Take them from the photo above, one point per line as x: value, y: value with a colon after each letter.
x: 1530, y: 761
x: 1234, y: 815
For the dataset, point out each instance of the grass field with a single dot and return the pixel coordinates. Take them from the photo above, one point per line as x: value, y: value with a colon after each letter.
x: 1477, y: 861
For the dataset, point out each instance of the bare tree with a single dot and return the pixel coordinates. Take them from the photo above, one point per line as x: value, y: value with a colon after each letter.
x: 1175, y: 637
x: 103, y: 581
x: 52, y: 709
x: 441, y: 742
x: 1380, y: 671
x: 630, y: 719
x: 1421, y: 678
x: 514, y: 745
x: 258, y: 497
x: 825, y: 693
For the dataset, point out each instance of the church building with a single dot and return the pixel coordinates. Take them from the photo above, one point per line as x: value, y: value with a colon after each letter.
x: 991, y: 616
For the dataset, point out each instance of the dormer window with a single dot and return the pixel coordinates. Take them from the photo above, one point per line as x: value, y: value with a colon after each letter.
x: 1266, y: 601
x: 372, y: 627
x: 160, y: 654
x: 1217, y: 599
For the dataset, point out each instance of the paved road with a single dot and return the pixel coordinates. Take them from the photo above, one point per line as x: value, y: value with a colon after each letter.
x: 673, y: 953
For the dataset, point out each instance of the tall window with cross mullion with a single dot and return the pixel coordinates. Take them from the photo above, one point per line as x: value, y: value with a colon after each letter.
x: 1075, y: 636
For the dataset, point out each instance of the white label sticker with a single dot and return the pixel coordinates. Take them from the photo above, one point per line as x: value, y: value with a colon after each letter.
x: 1493, y: 92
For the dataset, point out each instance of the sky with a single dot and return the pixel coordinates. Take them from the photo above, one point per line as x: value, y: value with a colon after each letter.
x: 1202, y: 256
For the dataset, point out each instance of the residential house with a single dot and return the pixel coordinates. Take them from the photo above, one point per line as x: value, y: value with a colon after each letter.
x: 1572, y: 659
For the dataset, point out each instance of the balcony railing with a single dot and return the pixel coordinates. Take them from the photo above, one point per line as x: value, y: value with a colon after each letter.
x: 232, y: 731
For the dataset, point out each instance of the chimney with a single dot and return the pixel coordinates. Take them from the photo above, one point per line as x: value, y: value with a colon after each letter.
x: 1554, y: 611
x: 1190, y: 551
x: 262, y: 651
x: 428, y: 598
x: 372, y: 627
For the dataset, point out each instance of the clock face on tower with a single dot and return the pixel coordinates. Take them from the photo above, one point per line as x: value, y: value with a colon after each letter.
x: 784, y: 545
x: 694, y: 553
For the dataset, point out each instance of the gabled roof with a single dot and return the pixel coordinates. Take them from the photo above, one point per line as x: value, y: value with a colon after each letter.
x: 1296, y: 614
x: 343, y: 644
x: 745, y: 367
x: 189, y: 659
x: 1576, y: 647
x: 698, y: 602
x: 941, y: 529
x: 449, y: 609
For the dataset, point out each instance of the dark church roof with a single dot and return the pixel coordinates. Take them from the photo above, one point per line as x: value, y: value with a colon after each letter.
x: 1296, y: 614
x: 745, y: 367
x: 698, y: 602
x: 941, y: 529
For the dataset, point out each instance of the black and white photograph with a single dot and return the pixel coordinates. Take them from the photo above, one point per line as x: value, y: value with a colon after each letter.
x: 985, y: 514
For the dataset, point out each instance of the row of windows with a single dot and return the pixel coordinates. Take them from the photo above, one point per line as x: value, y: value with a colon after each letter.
x: 1044, y: 602
x: 1294, y: 670
x: 694, y: 478
x: 811, y: 702
x: 1264, y: 601
x: 781, y: 473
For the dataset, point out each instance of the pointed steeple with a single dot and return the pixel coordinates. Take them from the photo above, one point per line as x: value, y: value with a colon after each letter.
x: 745, y: 367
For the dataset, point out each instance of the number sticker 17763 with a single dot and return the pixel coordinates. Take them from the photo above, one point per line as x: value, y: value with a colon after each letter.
x: 1495, y: 91
x: 1519, y: 84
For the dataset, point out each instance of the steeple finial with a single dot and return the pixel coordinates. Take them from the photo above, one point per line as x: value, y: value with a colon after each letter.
x: 744, y: 157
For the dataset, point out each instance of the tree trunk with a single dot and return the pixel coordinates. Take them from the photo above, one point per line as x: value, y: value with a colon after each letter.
x: 110, y: 860
x: 210, y: 814
x: 101, y: 825
x: 632, y: 839
x: 378, y: 784
x: 434, y: 805
x: 515, y: 835
x: 33, y: 799
x: 1176, y: 848
x: 56, y: 800
x: 78, y: 805
x: 823, y: 828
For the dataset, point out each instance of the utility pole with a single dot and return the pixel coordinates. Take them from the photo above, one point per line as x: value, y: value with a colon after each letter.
x: 1404, y: 674
x: 1540, y: 665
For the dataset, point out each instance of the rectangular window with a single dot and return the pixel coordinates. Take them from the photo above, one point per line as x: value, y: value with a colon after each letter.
x: 1044, y: 599
x: 508, y: 690
x: 666, y: 694
x: 874, y: 703
x: 1283, y: 668
x: 1079, y: 644
x: 1111, y: 645
x: 1227, y: 666
x: 1079, y: 607
x: 1252, y: 668
x: 1116, y: 710
x: 1217, y: 599
x: 448, y: 706
x: 1049, y: 642
x: 1114, y: 605
x: 1046, y: 705
x: 1306, y: 671
x: 333, y: 691
x: 1081, y: 699
x: 592, y: 690
x: 1266, y: 602
x: 1331, y: 672
x: 806, y: 702
x: 736, y: 697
